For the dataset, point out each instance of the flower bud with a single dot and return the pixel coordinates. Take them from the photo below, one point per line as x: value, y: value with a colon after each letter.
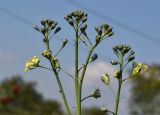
x: 83, y: 28
x: 66, y: 18
x: 53, y: 26
x: 113, y: 62
x: 105, y: 79
x: 47, y: 54
x: 94, y: 57
x: 36, y: 28
x: 96, y: 94
x: 131, y: 58
x: 43, y: 31
x: 84, y: 19
x: 57, y: 30
x: 98, y: 39
x: 116, y: 74
x: 55, y: 62
x: 71, y: 23
x: 64, y: 43
x: 43, y: 22
x: 131, y: 52
x: 50, y: 23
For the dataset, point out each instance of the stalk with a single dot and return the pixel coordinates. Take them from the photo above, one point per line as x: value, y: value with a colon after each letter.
x: 58, y: 81
x: 85, y: 67
x: 119, y: 87
x: 78, y: 103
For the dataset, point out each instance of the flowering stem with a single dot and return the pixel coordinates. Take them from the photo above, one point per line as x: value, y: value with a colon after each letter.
x: 78, y: 98
x: 61, y: 89
x: 85, y: 67
x: 58, y: 80
x: 117, y: 97
x: 119, y: 86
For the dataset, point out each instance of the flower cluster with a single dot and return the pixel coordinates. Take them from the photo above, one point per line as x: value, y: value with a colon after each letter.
x: 31, y: 63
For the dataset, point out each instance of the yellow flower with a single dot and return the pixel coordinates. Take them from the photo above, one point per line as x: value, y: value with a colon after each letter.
x: 116, y: 73
x: 46, y: 53
x: 31, y: 63
x: 138, y: 67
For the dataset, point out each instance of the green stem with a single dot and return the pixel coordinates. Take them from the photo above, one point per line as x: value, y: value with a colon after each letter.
x: 86, y: 98
x: 117, y: 97
x: 85, y: 67
x: 119, y: 86
x: 61, y: 90
x: 58, y: 80
x: 78, y: 103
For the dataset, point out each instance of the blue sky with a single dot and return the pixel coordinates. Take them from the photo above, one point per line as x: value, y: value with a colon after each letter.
x: 19, y: 41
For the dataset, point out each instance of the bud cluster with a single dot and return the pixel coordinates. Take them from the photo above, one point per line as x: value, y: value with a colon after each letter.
x: 76, y: 16
x: 47, y: 27
x: 122, y: 50
x: 103, y: 31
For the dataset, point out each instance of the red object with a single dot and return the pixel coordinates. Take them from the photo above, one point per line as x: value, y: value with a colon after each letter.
x: 15, y: 89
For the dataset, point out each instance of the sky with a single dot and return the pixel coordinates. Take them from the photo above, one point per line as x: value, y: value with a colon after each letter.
x: 135, y: 23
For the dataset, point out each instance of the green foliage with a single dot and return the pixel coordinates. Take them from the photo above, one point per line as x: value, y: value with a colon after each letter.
x: 145, y: 93
x: 18, y: 97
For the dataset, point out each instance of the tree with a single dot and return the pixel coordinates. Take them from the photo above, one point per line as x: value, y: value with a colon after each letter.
x: 145, y: 93
x: 18, y: 97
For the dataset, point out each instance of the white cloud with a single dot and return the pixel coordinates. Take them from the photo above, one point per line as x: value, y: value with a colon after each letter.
x: 95, y: 70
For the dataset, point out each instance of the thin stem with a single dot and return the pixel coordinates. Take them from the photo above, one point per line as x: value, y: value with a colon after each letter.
x: 119, y: 86
x: 58, y: 51
x: 67, y: 73
x: 111, y: 112
x: 86, y: 98
x: 45, y: 67
x: 61, y: 90
x: 127, y: 78
x: 58, y: 80
x: 125, y: 65
x: 85, y: 65
x: 117, y: 98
